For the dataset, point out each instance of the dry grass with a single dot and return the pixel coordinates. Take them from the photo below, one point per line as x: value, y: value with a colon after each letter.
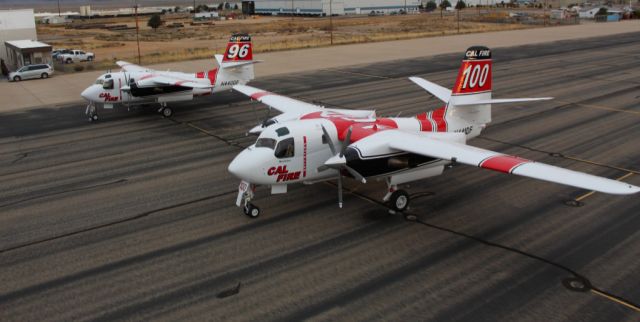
x: 269, y: 34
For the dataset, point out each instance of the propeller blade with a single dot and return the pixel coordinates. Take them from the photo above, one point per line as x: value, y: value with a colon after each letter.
x: 335, y: 162
x: 355, y: 174
x: 340, y: 191
x: 329, y: 141
x: 346, y: 143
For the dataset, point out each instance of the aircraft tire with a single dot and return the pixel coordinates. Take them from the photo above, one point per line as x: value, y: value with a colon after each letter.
x: 399, y: 200
x: 252, y: 211
x: 167, y: 112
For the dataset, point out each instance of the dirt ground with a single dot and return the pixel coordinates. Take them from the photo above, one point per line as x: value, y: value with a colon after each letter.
x: 269, y: 33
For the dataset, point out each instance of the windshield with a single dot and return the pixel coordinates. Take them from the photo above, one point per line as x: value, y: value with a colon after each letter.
x: 266, y: 143
x: 285, y: 149
x: 108, y: 84
x: 99, y: 81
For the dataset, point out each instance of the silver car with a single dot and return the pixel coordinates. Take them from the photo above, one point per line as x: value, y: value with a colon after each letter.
x: 31, y: 71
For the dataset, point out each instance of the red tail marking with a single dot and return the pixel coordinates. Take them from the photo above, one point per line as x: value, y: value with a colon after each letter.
x: 474, y: 76
x: 258, y: 95
x: 238, y: 51
x: 503, y: 163
x: 200, y: 75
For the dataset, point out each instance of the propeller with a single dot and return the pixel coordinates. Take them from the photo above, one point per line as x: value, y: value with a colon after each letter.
x: 339, y: 162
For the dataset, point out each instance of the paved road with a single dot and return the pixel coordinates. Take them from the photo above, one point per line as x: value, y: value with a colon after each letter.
x: 66, y: 89
x: 133, y: 217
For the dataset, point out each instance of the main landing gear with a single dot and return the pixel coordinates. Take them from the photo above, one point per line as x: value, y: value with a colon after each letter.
x: 165, y: 110
x: 91, y: 112
x: 397, y: 199
x: 245, y: 194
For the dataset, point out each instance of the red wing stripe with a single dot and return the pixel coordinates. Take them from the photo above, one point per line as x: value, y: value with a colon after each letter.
x: 258, y: 95
x: 502, y: 163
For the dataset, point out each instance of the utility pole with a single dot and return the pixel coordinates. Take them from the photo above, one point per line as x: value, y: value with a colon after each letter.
x: 194, y: 9
x: 544, y: 12
x: 59, y: 8
x: 331, y: 20
x: 137, y: 30
x: 458, y: 14
x: 291, y: 10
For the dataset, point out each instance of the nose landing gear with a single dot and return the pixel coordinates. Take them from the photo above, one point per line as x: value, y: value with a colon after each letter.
x: 245, y: 194
x: 91, y: 111
x: 251, y: 210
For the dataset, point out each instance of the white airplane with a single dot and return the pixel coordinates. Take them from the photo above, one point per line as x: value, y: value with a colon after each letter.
x: 136, y: 85
x: 308, y: 143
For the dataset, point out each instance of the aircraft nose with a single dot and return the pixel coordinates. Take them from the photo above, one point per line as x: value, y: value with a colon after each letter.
x: 86, y: 94
x: 249, y: 165
x: 240, y: 167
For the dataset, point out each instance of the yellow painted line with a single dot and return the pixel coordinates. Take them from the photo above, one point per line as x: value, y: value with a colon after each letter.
x: 584, y: 196
x: 601, y: 164
x: 629, y: 305
x: 600, y: 107
x: 198, y: 128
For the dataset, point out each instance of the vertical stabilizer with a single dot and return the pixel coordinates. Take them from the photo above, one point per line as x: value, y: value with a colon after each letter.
x: 236, y: 65
x: 472, y: 85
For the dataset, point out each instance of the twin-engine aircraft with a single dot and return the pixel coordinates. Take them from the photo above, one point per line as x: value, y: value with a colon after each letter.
x: 308, y: 143
x: 136, y: 85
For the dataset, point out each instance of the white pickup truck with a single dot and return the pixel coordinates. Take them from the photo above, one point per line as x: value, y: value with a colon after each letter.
x: 75, y: 56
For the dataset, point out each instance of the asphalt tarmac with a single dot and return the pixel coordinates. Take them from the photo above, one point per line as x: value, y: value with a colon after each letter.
x: 133, y: 217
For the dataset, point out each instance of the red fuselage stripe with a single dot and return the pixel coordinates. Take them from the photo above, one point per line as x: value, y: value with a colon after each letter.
x: 304, y: 155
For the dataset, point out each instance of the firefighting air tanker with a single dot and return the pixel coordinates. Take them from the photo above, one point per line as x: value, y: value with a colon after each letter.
x: 135, y: 85
x: 309, y: 143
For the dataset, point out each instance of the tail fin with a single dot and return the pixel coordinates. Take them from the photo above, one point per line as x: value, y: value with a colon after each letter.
x: 238, y: 49
x: 236, y: 65
x: 472, y: 87
x: 470, y: 99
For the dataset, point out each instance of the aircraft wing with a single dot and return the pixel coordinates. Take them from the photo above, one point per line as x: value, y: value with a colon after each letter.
x: 159, y: 80
x: 129, y: 67
x: 281, y: 103
x: 486, y: 159
x: 292, y: 107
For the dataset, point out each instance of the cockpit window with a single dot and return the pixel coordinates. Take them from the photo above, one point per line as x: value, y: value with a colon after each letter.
x: 282, y: 131
x: 266, y: 143
x: 108, y: 84
x: 99, y: 81
x: 285, y: 149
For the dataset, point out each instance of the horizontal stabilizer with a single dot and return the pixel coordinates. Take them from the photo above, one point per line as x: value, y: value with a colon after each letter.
x: 443, y: 93
x: 503, y: 101
x: 234, y: 64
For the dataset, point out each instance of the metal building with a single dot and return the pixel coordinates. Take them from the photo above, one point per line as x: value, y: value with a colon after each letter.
x: 16, y: 25
x: 335, y: 7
